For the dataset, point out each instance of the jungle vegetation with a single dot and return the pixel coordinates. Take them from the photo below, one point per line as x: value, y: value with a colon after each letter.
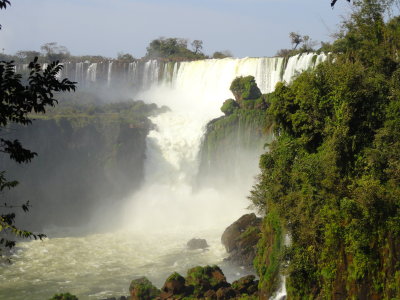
x: 331, y: 180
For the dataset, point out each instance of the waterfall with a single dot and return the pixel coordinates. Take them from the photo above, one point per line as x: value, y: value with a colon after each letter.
x: 167, y: 210
x: 144, y: 75
x: 109, y: 70
x: 79, y: 75
x: 194, y: 91
x: 91, y: 73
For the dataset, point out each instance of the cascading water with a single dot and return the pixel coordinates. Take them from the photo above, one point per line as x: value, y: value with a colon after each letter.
x: 91, y: 73
x: 160, y: 218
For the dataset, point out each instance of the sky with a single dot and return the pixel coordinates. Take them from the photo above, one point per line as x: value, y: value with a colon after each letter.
x: 250, y: 28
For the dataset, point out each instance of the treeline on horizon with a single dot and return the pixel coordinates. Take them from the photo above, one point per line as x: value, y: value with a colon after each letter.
x: 168, y: 49
x: 175, y: 49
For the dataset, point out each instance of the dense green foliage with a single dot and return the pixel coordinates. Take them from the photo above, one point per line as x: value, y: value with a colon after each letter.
x: 229, y: 106
x: 331, y: 178
x: 174, y: 49
x: 245, y: 88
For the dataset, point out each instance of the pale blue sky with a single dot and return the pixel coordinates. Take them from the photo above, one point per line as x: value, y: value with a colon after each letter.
x: 106, y: 27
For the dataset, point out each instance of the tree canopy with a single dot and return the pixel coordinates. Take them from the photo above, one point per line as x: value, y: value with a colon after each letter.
x: 331, y: 178
x: 174, y: 48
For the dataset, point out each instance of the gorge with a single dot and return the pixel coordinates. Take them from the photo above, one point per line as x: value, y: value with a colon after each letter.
x: 144, y: 232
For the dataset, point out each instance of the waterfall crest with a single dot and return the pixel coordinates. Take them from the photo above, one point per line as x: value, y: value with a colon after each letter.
x: 142, y: 75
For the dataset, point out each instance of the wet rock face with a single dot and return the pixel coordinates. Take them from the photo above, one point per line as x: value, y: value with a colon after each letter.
x: 194, y: 244
x: 240, y: 239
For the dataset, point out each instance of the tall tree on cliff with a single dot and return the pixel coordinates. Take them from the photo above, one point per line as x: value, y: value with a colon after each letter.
x: 18, y: 99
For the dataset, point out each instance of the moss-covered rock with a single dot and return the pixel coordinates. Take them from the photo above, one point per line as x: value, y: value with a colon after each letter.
x: 174, y: 285
x: 246, y: 285
x: 225, y: 293
x: 240, y: 239
x: 205, y: 278
x: 245, y: 88
x: 143, y: 289
x: 65, y: 296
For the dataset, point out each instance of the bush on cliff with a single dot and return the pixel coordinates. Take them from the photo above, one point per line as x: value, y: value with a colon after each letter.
x: 245, y: 88
x: 229, y: 107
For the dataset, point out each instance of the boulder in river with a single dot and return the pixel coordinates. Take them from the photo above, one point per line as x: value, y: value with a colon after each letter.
x: 194, y: 244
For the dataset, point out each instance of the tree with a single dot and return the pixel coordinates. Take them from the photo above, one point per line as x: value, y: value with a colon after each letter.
x: 308, y: 44
x: 3, y: 5
x: 171, y: 48
x: 222, y: 54
x: 27, y: 56
x: 126, y: 57
x: 295, y: 39
x: 18, y: 99
x: 55, y: 52
x: 197, y: 46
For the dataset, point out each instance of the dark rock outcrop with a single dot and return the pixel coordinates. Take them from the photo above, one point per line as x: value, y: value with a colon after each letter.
x: 194, y: 244
x: 143, y: 289
x: 174, y: 285
x: 240, y: 239
x: 225, y: 293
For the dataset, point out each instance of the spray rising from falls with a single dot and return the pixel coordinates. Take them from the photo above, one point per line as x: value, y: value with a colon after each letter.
x: 194, y: 91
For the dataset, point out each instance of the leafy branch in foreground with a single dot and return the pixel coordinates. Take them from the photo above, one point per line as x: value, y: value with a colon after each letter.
x: 19, y: 98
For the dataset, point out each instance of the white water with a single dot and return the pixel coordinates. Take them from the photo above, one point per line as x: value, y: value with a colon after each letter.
x: 158, y: 220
